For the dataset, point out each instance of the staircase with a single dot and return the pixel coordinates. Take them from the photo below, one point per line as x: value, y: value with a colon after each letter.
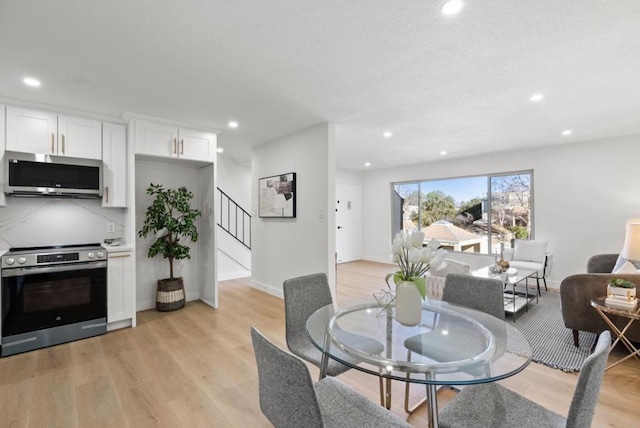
x: 234, y: 245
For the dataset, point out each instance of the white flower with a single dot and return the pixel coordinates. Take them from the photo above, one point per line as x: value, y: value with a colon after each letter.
x: 396, y: 258
x: 426, y: 255
x: 396, y: 248
x: 434, y: 244
x: 417, y: 239
x: 414, y: 255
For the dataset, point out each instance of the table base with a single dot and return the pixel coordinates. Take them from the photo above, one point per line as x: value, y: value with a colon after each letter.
x: 620, y: 337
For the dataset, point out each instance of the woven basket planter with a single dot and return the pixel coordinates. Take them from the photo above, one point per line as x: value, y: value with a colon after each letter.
x: 170, y: 295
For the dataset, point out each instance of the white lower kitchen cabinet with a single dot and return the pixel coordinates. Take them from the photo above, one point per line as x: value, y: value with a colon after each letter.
x: 120, y: 284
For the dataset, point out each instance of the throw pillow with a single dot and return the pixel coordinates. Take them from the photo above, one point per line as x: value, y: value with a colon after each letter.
x: 530, y: 251
x: 621, y: 261
x: 452, y: 266
x: 627, y: 267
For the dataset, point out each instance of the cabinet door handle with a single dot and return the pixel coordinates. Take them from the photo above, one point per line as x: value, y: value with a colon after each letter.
x: 120, y: 257
x: 181, y: 147
x: 53, y: 143
x: 62, y: 143
x: 106, y: 191
x: 175, y: 144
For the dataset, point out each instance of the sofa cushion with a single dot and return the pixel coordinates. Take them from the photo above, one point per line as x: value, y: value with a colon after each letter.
x: 530, y: 251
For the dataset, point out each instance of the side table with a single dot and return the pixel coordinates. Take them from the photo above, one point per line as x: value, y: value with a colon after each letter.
x: 632, y: 316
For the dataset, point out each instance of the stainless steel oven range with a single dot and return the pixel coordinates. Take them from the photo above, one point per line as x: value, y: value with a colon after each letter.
x: 52, y: 295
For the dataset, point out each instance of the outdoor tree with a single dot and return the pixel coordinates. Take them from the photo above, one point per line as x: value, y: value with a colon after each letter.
x: 510, y: 199
x: 437, y: 206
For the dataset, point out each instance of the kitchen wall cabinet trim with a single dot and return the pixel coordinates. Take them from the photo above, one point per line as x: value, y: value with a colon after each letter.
x: 40, y: 132
x: 114, y: 157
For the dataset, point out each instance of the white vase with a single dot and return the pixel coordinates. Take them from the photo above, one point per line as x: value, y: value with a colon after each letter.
x: 408, y: 303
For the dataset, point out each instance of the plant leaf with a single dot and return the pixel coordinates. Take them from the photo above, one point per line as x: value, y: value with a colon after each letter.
x: 421, y: 285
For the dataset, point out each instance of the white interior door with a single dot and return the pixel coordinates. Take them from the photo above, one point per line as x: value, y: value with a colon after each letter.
x: 348, y: 222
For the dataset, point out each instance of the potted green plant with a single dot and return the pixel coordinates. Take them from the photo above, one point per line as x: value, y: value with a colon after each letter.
x: 172, y: 220
x: 621, y: 287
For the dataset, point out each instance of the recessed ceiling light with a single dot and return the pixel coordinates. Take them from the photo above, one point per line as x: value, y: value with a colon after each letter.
x: 367, y: 164
x: 536, y: 97
x: 220, y: 150
x: 452, y: 7
x: 567, y: 132
x: 233, y: 124
x: 30, y: 81
x: 443, y: 152
x: 387, y: 134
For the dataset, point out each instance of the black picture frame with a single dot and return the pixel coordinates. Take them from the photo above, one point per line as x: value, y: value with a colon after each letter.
x: 277, y: 196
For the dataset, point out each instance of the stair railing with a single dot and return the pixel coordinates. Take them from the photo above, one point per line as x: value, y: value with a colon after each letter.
x: 234, y: 220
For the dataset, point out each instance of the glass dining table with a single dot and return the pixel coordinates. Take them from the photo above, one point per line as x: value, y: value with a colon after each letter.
x: 452, y: 345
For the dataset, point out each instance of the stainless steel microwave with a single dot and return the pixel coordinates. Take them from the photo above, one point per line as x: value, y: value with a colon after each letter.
x: 29, y: 174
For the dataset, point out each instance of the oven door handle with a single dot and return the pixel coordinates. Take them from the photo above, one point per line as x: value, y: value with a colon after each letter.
x: 7, y: 273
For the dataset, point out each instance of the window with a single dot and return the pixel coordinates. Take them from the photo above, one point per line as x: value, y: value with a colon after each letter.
x: 470, y: 214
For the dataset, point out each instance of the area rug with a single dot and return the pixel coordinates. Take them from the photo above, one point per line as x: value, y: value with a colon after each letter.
x: 551, y: 342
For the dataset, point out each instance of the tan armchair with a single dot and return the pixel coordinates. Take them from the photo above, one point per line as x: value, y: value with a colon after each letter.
x: 576, y: 292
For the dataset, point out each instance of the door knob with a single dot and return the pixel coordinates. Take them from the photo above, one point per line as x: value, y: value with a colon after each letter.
x: 340, y: 227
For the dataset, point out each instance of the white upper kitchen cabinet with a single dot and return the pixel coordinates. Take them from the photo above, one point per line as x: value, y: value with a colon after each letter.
x: 114, y: 157
x: 79, y: 137
x: 196, y: 145
x: 169, y: 141
x: 40, y: 132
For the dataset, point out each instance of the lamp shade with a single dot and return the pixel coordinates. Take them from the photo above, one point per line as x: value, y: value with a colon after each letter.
x: 631, y: 249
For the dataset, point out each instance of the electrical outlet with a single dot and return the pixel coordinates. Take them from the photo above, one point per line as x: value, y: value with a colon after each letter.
x: 111, y: 227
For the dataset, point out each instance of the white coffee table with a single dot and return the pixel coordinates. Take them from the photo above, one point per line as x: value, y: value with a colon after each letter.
x: 513, y: 301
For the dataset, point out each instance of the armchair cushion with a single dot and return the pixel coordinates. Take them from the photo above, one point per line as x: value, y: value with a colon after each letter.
x: 529, y: 251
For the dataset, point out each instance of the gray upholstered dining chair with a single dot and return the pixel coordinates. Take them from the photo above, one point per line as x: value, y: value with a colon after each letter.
x: 288, y: 397
x: 482, y: 294
x: 492, y: 405
x: 302, y: 297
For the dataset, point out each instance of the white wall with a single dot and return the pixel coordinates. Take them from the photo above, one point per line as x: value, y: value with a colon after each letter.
x: 34, y: 222
x: 286, y: 248
x: 235, y: 180
x: 347, y: 176
x: 584, y: 193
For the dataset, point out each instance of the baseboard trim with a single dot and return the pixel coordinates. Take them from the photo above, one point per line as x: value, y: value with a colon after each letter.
x: 267, y: 288
x: 233, y: 275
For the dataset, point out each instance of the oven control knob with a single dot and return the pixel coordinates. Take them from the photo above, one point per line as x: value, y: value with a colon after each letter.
x: 10, y: 261
x: 22, y: 260
x: 91, y: 255
x: 100, y: 255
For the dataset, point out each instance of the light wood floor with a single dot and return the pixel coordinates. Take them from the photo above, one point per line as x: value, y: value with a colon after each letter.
x: 195, y: 368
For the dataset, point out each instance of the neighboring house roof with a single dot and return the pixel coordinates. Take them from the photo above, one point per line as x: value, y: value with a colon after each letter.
x: 445, y: 231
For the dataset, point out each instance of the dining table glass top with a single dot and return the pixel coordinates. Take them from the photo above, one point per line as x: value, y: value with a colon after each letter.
x: 452, y: 345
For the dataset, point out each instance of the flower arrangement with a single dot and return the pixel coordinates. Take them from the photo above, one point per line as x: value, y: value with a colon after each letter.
x: 415, y: 260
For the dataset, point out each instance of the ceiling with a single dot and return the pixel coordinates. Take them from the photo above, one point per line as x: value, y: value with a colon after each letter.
x: 457, y: 83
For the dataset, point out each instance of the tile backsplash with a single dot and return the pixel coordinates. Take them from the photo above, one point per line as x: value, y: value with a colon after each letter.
x: 30, y: 222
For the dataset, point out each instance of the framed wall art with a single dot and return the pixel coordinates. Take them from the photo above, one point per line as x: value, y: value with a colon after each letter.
x: 277, y: 196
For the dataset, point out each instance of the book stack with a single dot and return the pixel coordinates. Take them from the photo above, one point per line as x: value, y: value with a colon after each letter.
x: 621, y: 302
